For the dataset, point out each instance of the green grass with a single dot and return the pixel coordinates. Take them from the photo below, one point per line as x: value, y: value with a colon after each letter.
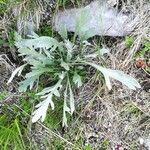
x: 129, y: 40
x: 14, y: 123
x: 46, y: 30
x: 2, y: 95
x: 6, y: 4
x: 131, y: 108
x: 65, y: 3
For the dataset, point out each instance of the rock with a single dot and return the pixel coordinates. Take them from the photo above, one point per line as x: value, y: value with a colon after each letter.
x: 98, y: 18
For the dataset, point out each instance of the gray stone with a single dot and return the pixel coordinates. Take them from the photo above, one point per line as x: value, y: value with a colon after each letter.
x: 98, y: 17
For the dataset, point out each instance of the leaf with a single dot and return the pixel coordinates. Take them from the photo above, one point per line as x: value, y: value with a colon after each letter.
x: 86, y: 34
x: 62, y: 75
x: 63, y: 32
x: 51, y: 89
x: 17, y: 70
x: 47, y: 94
x: 99, y: 52
x: 81, y: 27
x: 36, y: 72
x: 70, y: 46
x: 17, y: 36
x: 64, y: 65
x: 82, y: 19
x: 2, y: 2
x: 23, y: 85
x: 129, y: 40
x: 65, y: 109
x: 33, y: 35
x: 130, y: 82
x: 37, y: 42
x: 72, y: 107
x: 86, y: 43
x: 93, y: 55
x: 104, y: 51
x: 32, y: 53
x: 77, y: 79
x: 42, y: 107
x: 147, y: 45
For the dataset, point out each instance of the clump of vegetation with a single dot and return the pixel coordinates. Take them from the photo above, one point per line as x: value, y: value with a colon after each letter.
x: 142, y: 60
x: 63, y: 64
x: 129, y: 40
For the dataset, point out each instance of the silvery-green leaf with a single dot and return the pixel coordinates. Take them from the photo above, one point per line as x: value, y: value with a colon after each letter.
x: 32, y: 53
x: 64, y: 119
x: 51, y: 89
x: 80, y: 67
x: 72, y: 107
x: 100, y: 52
x: 36, y: 72
x: 70, y: 47
x: 48, y: 54
x: 17, y: 37
x: 84, y: 35
x: 53, y: 48
x: 104, y: 51
x: 33, y: 35
x: 77, y: 80
x: 65, y: 109
x: 86, y: 43
x: 93, y: 55
x: 40, y: 42
x: 64, y: 65
x: 62, y: 75
x: 107, y: 80
x: 34, y: 63
x: 40, y: 112
x: 82, y: 20
x: 56, y: 93
x: 63, y: 32
x: 46, y: 90
x: 23, y: 85
x: 129, y: 81
x: 17, y: 70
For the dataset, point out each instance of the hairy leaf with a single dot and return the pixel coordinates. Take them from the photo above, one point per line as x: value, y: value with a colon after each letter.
x: 17, y: 70
x: 130, y: 82
x: 72, y: 107
x: 42, y: 107
x: 77, y: 79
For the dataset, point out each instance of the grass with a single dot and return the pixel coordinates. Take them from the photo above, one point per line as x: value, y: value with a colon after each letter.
x: 14, y: 123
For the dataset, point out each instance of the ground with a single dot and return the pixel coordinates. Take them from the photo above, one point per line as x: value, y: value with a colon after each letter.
x: 103, y: 120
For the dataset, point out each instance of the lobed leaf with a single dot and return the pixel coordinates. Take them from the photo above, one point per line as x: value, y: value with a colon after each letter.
x: 129, y: 81
x: 40, y: 112
x: 17, y: 70
x: 77, y: 79
x: 72, y: 106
